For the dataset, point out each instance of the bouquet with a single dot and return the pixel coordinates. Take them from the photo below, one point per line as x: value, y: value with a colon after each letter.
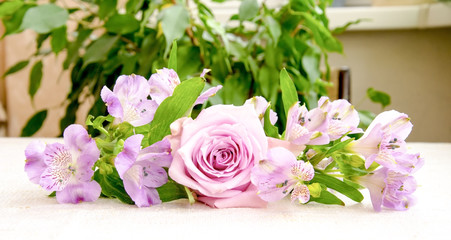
x: 152, y: 149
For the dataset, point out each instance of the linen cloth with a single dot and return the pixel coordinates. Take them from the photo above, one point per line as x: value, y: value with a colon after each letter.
x: 26, y: 212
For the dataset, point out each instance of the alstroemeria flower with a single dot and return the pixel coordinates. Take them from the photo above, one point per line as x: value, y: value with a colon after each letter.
x: 306, y: 127
x: 128, y: 101
x: 65, y: 168
x: 260, y: 105
x: 142, y: 169
x: 164, y: 81
x: 390, y: 189
x: 385, y: 138
x: 281, y: 174
x: 342, y: 117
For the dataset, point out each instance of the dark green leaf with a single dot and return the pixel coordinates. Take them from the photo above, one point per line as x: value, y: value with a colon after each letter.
x: 274, y: 28
x: 338, y: 185
x: 235, y: 90
x: 379, y: 97
x: 34, y: 124
x: 342, y: 29
x: 289, y: 94
x: 70, y: 115
x: 173, y: 56
x: 327, y: 198
x: 112, y: 186
x: 133, y: 6
x: 73, y: 48
x: 248, y: 10
x: 321, y: 34
x: 122, y: 24
x: 10, y: 7
x: 174, y: 107
x: 98, y: 50
x: 174, y: 21
x: 59, y: 40
x: 107, y: 8
x: 17, y: 67
x: 35, y: 79
x: 310, y: 63
x: 44, y: 18
x: 171, y: 191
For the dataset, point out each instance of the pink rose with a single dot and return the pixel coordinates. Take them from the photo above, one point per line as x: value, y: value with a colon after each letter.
x: 215, y: 153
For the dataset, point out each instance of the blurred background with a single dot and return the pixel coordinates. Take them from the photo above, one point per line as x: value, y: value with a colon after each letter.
x: 400, y: 47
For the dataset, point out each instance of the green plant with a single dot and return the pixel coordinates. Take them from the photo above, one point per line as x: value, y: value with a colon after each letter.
x: 103, y: 40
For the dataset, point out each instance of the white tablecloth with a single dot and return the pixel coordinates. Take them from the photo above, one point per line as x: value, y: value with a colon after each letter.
x: 27, y: 213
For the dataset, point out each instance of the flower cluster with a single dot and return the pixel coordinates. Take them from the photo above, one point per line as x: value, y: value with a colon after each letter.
x: 150, y: 150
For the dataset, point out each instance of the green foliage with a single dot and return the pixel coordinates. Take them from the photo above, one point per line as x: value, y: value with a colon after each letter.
x: 106, y: 43
x: 339, y: 186
x: 35, y: 79
x: 378, y: 97
x: 34, y: 124
x: 174, y: 107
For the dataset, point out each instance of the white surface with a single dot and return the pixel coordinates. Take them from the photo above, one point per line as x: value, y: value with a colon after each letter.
x: 26, y: 212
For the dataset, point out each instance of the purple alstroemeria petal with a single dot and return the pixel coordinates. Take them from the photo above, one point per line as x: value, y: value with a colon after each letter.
x: 55, y: 178
x: 303, y: 170
x: 76, y: 137
x: 34, y: 165
x: 300, y: 192
x: 396, y: 123
x: 57, y: 155
x: 209, y: 93
x: 141, y: 195
x: 145, y: 112
x: 375, y: 182
x: 79, y: 192
x: 125, y: 159
x: 158, y: 153
x: 162, y: 84
x: 133, y: 88
x: 204, y: 72
x: 260, y: 104
x: 112, y: 102
x: 153, y: 175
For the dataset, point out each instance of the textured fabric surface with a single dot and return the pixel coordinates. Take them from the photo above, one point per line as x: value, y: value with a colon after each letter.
x: 27, y: 213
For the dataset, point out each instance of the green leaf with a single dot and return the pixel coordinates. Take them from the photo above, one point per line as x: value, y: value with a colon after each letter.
x: 339, y: 186
x: 289, y: 94
x: 321, y: 34
x: 274, y: 28
x: 107, y: 8
x: 171, y: 191
x: 122, y: 24
x: 342, y: 29
x: 378, y: 97
x: 98, y: 50
x: 70, y: 116
x: 350, y: 165
x: 174, y: 107
x: 366, y: 117
x: 174, y: 21
x: 248, y: 10
x: 173, y: 57
x: 10, y: 7
x: 34, y: 124
x: 12, y: 23
x: 270, y: 130
x: 35, y: 79
x: 44, y: 18
x: 112, y: 186
x: 17, y: 67
x: 310, y: 63
x: 327, y: 198
x: 59, y: 39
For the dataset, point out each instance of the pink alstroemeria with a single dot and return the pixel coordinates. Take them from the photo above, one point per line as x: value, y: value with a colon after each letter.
x: 390, y: 189
x: 384, y: 141
x: 281, y: 174
x: 128, y: 101
x: 260, y: 105
x: 142, y: 169
x: 164, y: 81
x: 65, y: 168
x: 342, y: 117
x: 306, y: 127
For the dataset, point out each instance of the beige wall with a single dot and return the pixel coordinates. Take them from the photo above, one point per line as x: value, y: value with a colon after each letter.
x: 413, y: 66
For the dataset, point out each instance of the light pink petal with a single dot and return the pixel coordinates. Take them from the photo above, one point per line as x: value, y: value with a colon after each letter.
x: 376, y: 185
x: 248, y: 198
x: 131, y: 88
x: 34, y: 164
x: 293, y: 148
x: 204, y: 72
x: 397, y: 123
x: 209, y: 93
x: 79, y: 192
x: 300, y: 192
x: 162, y: 84
x: 129, y: 154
